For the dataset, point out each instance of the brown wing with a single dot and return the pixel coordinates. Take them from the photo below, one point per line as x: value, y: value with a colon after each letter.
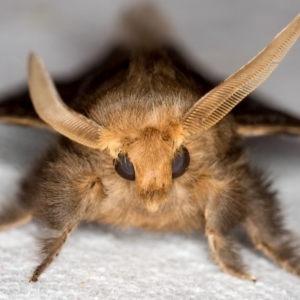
x: 17, y: 108
x: 254, y: 118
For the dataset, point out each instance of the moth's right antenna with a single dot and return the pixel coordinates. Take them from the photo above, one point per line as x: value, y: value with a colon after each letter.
x: 52, y: 110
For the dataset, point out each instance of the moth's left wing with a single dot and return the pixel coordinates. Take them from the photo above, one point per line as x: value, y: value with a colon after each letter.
x: 254, y: 118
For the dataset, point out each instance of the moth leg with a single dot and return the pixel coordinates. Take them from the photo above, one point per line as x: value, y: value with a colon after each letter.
x: 280, y: 248
x: 51, y: 250
x: 222, y: 213
x: 264, y: 225
x: 225, y: 254
x: 65, y: 189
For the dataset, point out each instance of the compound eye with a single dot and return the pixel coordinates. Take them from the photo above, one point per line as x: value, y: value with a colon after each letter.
x: 124, y: 167
x: 180, y: 163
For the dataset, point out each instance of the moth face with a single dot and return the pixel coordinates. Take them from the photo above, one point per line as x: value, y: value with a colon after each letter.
x: 152, y: 162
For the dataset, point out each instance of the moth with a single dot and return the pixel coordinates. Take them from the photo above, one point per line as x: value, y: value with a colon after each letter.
x: 147, y: 141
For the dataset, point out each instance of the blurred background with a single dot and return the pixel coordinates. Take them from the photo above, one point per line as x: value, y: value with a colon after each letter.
x: 218, y: 37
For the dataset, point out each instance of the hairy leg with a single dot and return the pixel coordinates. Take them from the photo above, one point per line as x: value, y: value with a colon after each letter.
x: 265, y: 226
x: 222, y: 213
x: 65, y: 190
x: 51, y: 248
x: 225, y: 253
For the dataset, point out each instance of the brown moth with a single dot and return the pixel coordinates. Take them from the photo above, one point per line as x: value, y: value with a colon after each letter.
x: 146, y: 141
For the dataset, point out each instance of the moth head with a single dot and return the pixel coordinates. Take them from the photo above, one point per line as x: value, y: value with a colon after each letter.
x: 155, y: 156
x: 153, y: 161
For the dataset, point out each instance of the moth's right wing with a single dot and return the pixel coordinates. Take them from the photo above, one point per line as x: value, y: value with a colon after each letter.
x: 16, y: 108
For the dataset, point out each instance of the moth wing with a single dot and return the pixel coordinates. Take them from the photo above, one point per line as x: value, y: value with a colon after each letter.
x: 254, y: 118
x: 17, y: 108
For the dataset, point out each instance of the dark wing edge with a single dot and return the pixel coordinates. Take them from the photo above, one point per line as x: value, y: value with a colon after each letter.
x: 16, y: 108
x: 254, y: 118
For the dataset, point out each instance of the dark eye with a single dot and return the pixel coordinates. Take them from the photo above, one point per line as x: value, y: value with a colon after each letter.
x: 180, y: 163
x: 124, y: 167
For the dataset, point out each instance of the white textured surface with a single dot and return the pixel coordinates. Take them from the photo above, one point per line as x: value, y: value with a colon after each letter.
x: 103, y: 263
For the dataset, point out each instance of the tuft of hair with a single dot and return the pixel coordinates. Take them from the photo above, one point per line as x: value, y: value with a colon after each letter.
x: 144, y: 26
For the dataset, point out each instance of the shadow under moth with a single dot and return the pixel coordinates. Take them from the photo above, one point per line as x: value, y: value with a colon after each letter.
x: 147, y: 141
